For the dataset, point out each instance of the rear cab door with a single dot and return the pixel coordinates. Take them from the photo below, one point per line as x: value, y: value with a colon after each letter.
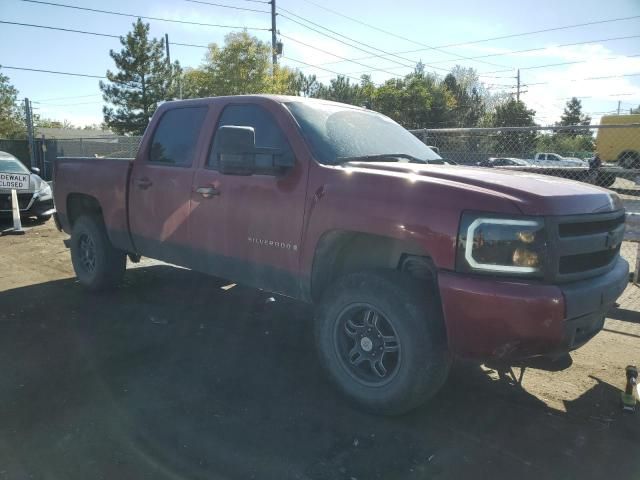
x: 248, y: 228
x: 161, y: 179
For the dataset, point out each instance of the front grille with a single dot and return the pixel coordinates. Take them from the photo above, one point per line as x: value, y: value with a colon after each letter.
x: 587, y: 261
x: 589, y: 227
x: 23, y: 200
x: 586, y: 245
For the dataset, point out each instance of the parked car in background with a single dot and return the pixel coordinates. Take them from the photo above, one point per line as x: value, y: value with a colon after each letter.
x: 554, y: 160
x: 621, y: 145
x: 36, y: 201
x: 408, y: 263
x: 504, y: 162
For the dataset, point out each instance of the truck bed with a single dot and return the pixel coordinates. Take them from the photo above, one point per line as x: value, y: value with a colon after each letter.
x: 103, y: 179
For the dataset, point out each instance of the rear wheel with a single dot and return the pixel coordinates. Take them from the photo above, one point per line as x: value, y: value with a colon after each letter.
x: 629, y: 160
x: 98, y: 265
x: 380, y: 335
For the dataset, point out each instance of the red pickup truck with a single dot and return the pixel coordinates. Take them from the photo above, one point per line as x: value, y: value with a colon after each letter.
x: 409, y: 260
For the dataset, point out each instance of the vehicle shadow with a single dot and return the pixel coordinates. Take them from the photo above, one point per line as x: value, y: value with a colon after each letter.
x: 173, y: 376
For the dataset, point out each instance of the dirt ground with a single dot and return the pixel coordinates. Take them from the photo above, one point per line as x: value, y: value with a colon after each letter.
x: 173, y: 377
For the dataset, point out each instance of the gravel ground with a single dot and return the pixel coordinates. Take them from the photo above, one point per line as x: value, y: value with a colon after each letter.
x: 173, y: 377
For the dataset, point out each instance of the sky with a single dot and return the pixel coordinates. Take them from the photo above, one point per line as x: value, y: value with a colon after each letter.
x: 412, y: 27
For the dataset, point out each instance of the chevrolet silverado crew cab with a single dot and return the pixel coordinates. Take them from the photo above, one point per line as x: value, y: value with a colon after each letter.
x: 410, y: 261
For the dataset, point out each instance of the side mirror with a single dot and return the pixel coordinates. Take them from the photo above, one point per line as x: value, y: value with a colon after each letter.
x: 35, y: 170
x: 237, y: 150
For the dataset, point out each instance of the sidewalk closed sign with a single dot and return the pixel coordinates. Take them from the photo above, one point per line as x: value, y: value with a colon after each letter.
x: 15, y: 181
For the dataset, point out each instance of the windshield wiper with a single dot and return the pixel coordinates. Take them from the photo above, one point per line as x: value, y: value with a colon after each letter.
x: 382, y: 157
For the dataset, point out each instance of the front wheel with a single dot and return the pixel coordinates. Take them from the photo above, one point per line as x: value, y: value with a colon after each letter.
x: 380, y: 335
x: 98, y: 265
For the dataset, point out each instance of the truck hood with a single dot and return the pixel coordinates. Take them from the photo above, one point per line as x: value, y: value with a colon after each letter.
x: 533, y: 194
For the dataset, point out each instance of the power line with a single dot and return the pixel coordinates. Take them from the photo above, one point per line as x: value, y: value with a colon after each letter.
x: 67, y: 98
x: 227, y: 6
x: 574, y: 62
x: 344, y: 36
x: 429, y: 47
x: 587, y: 78
x: 67, y: 104
x: 533, y: 32
x: 53, y: 71
x: 320, y: 68
x: 85, y: 32
x: 517, y: 35
x: 336, y: 55
x: 130, y: 15
x: 537, y: 49
x: 60, y: 29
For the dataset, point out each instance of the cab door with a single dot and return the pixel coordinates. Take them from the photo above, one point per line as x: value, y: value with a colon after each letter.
x: 248, y: 227
x: 160, y: 184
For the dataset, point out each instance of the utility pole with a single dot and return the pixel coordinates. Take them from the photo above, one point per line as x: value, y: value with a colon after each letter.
x: 274, y: 56
x: 619, y: 107
x: 518, y: 86
x: 166, y: 48
x: 29, y: 118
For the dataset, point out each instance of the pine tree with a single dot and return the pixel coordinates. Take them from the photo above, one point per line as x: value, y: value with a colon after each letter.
x: 144, y: 78
x: 573, y: 115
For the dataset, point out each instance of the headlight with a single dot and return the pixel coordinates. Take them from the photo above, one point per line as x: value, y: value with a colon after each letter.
x: 493, y: 244
x: 45, y: 189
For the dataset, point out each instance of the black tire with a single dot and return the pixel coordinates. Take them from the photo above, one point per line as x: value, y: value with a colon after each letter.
x: 98, y: 265
x: 629, y: 160
x: 605, y: 179
x: 407, y: 309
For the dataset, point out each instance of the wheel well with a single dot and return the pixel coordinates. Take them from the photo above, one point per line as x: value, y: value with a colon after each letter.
x: 341, y: 252
x: 81, y: 204
x: 628, y: 154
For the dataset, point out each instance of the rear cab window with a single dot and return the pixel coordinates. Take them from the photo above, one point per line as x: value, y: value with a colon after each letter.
x: 175, y: 138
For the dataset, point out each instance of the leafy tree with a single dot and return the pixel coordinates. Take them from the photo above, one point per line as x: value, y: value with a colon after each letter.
x: 49, y: 123
x: 241, y: 66
x: 341, y: 89
x: 464, y: 85
x: 568, y: 145
x: 418, y: 100
x: 514, y: 113
x: 143, y: 79
x: 12, y: 124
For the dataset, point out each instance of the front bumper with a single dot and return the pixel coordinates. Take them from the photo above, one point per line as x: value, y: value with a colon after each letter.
x: 488, y: 318
x: 30, y: 206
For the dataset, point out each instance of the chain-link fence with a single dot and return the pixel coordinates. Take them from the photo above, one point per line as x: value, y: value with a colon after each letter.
x: 606, y: 155
x: 47, y: 150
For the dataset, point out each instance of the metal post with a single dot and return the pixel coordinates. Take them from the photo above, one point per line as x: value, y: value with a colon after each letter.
x: 518, y: 86
x: 15, y: 208
x: 274, y: 54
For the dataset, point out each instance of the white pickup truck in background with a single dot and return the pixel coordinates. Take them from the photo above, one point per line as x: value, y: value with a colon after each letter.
x: 555, y: 160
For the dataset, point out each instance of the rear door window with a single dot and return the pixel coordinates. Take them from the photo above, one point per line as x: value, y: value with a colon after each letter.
x: 175, y: 138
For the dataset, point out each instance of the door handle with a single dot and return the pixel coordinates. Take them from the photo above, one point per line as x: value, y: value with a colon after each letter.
x: 208, y: 192
x: 144, y: 183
